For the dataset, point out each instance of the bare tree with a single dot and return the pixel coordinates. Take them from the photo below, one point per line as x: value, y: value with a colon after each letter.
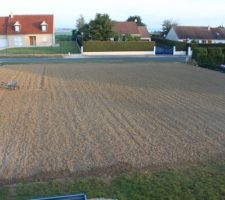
x: 167, y: 25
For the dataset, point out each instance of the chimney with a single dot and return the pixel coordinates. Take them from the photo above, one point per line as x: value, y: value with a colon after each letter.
x: 11, y: 15
x: 209, y: 28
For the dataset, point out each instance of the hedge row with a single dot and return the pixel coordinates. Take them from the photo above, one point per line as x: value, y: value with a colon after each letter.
x: 180, y: 46
x: 105, y: 46
x: 193, y: 45
x: 211, y: 57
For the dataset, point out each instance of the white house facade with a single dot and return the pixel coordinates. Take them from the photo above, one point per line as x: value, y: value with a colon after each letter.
x: 26, y: 31
x: 197, y: 34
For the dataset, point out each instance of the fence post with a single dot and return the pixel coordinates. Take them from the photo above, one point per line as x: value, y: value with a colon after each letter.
x: 189, y: 52
x: 174, y: 50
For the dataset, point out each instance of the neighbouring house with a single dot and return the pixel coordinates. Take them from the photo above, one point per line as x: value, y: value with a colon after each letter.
x: 26, y: 31
x: 197, y: 34
x: 131, y: 28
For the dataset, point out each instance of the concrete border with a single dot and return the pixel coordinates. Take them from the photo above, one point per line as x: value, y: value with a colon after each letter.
x: 120, y: 53
x: 180, y: 53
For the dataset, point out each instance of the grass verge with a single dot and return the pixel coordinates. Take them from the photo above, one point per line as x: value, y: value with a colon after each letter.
x: 202, y: 182
x: 64, y: 48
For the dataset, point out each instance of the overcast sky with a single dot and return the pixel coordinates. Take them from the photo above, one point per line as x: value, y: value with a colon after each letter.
x: 185, y: 12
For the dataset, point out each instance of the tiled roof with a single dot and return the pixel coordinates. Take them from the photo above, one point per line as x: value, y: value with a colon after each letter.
x: 30, y: 24
x: 125, y: 28
x: 195, y: 32
x: 143, y: 31
x: 3, y: 25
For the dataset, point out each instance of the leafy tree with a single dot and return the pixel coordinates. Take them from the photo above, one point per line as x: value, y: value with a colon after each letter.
x: 101, y: 27
x: 85, y: 30
x: 131, y: 38
x: 74, y: 34
x: 136, y: 19
x: 80, y: 22
x: 81, y: 35
x: 167, y: 25
x: 82, y: 32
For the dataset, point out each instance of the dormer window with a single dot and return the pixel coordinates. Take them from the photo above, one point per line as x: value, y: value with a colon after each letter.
x: 44, y: 26
x: 17, y: 26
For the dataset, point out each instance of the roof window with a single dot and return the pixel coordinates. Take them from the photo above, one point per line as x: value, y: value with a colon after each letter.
x: 17, y: 26
x: 44, y: 26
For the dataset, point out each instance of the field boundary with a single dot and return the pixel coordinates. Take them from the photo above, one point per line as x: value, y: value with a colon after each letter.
x: 120, y: 53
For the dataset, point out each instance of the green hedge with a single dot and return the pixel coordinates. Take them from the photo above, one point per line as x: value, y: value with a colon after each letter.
x: 104, y: 46
x: 199, y: 51
x: 211, y: 57
x: 180, y: 46
x: 194, y: 45
x: 223, y: 51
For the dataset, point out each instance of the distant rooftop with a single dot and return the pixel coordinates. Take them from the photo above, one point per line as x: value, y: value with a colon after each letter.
x: 130, y: 28
x: 200, y: 32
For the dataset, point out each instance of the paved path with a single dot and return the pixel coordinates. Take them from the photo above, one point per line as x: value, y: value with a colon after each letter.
x: 96, y: 59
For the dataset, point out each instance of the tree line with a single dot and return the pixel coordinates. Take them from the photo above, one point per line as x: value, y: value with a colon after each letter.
x: 100, y: 28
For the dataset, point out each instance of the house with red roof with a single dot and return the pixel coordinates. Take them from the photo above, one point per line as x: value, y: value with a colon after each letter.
x: 132, y: 29
x: 26, y: 31
x: 198, y: 34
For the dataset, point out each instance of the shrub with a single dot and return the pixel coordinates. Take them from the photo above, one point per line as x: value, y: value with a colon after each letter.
x: 209, y: 45
x: 201, y: 56
x: 102, y: 46
x: 180, y: 46
x: 209, y: 57
x: 214, y: 51
x: 116, y: 37
x: 199, y: 52
x: 215, y: 57
x: 223, y: 52
x: 131, y: 38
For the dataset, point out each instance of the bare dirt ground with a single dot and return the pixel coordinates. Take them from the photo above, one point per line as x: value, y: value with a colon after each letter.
x: 91, y: 119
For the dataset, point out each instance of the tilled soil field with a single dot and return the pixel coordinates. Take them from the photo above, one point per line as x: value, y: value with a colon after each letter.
x: 106, y: 118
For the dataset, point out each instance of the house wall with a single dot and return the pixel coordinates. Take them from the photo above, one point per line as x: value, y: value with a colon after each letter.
x: 146, y: 39
x: 3, y: 42
x: 201, y: 41
x: 24, y: 40
x: 172, y: 35
x: 135, y: 35
x: 218, y: 41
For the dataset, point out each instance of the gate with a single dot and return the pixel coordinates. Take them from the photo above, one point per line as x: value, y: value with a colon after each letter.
x: 164, y: 50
